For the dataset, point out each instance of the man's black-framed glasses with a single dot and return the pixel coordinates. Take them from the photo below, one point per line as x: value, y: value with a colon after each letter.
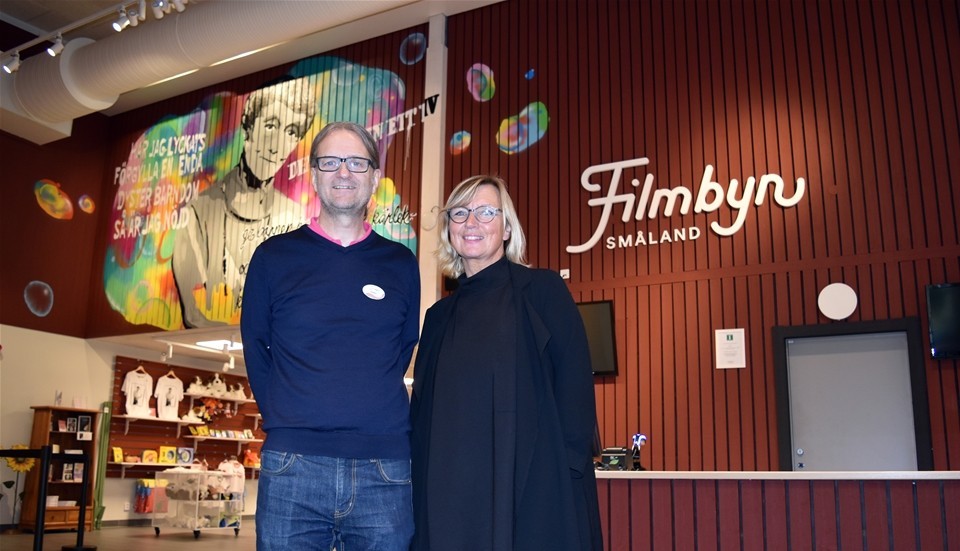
x: 483, y: 213
x: 332, y: 164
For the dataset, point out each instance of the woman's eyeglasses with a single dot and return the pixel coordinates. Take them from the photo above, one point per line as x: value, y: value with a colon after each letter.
x: 483, y: 213
x: 332, y: 164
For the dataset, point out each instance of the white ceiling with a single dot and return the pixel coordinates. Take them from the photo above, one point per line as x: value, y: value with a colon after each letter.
x: 339, y: 23
x: 157, y: 346
x: 41, y: 17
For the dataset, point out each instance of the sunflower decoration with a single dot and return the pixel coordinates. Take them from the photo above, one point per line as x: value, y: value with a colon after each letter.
x: 20, y: 464
x: 17, y: 465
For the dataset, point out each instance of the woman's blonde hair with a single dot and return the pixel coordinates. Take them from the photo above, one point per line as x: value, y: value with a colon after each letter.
x: 451, y: 264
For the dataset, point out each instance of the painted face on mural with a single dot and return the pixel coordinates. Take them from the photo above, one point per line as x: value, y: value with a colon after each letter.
x: 343, y: 192
x: 271, y: 138
x: 480, y: 244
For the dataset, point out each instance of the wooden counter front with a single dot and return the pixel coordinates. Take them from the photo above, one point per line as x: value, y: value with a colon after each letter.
x: 652, y: 510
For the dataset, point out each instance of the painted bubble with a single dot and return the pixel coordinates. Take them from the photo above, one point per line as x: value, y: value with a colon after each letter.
x: 480, y: 82
x: 86, y: 204
x: 460, y: 142
x: 530, y: 74
x: 412, y: 48
x: 39, y: 298
x: 53, y: 200
x: 519, y: 132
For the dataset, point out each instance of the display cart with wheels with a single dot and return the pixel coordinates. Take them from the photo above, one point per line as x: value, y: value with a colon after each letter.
x: 192, y: 499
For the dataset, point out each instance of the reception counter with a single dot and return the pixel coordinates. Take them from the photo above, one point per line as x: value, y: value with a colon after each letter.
x: 663, y: 510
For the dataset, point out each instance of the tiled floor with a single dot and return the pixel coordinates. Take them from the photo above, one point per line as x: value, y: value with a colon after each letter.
x: 140, y: 538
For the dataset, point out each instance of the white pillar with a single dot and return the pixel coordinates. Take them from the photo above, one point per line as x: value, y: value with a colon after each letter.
x: 434, y: 142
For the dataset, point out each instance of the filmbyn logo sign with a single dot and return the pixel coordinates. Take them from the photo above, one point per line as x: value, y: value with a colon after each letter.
x: 662, y: 202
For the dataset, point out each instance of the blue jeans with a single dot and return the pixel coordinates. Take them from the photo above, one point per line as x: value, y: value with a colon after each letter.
x: 309, y: 502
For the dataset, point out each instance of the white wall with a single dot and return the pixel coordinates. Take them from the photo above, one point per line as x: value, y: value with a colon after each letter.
x: 34, y: 365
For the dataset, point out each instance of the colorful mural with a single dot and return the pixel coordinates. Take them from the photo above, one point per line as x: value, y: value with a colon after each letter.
x: 199, y: 191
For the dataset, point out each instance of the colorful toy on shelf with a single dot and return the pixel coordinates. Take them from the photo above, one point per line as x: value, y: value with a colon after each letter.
x: 197, y: 386
x: 211, y: 408
x: 217, y: 387
x: 251, y: 458
x: 194, y: 415
x: 237, y: 392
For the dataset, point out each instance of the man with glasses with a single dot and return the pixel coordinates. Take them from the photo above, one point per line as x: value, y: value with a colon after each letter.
x: 330, y: 319
x: 229, y: 219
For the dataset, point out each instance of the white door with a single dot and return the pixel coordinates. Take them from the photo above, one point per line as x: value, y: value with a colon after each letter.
x: 851, y: 405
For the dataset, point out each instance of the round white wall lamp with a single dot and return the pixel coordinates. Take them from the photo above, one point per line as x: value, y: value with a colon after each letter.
x: 837, y: 301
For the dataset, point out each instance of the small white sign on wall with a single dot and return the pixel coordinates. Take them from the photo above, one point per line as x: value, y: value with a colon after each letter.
x: 731, y: 348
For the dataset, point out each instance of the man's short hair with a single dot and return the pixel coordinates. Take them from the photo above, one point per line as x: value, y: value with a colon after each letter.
x: 368, y: 142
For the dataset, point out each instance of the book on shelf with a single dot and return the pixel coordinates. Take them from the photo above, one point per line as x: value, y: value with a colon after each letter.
x: 78, y: 472
x: 117, y: 454
x: 149, y: 456
x: 67, y: 475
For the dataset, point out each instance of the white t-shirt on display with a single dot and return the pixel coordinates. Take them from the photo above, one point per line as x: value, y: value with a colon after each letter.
x: 169, y: 393
x: 137, y: 386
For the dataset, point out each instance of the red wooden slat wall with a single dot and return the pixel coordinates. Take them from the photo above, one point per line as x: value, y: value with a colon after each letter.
x: 780, y: 514
x: 858, y: 98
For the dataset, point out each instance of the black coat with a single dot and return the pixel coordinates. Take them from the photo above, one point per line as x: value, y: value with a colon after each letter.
x: 555, y: 491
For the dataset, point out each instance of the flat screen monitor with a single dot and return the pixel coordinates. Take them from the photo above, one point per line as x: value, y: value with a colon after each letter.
x: 943, y: 311
x: 598, y: 321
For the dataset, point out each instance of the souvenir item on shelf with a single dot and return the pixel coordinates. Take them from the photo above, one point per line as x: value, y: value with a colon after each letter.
x: 185, y: 456
x: 217, y: 387
x: 137, y: 387
x: 169, y: 393
x: 197, y: 386
x: 237, y: 392
x: 251, y: 458
x: 193, y: 415
x: 211, y: 408
x: 168, y: 454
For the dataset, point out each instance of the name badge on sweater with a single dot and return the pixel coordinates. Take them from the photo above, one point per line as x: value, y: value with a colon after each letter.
x: 374, y: 292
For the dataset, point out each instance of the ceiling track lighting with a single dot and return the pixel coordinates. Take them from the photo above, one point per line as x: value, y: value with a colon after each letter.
x: 128, y: 13
x: 122, y: 22
x: 165, y: 356
x: 57, y: 46
x: 14, y: 63
x: 159, y: 7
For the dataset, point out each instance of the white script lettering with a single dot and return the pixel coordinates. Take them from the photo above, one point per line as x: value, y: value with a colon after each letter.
x: 663, y: 202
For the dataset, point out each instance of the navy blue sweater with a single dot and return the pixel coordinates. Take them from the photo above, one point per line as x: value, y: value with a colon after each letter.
x: 328, y: 332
